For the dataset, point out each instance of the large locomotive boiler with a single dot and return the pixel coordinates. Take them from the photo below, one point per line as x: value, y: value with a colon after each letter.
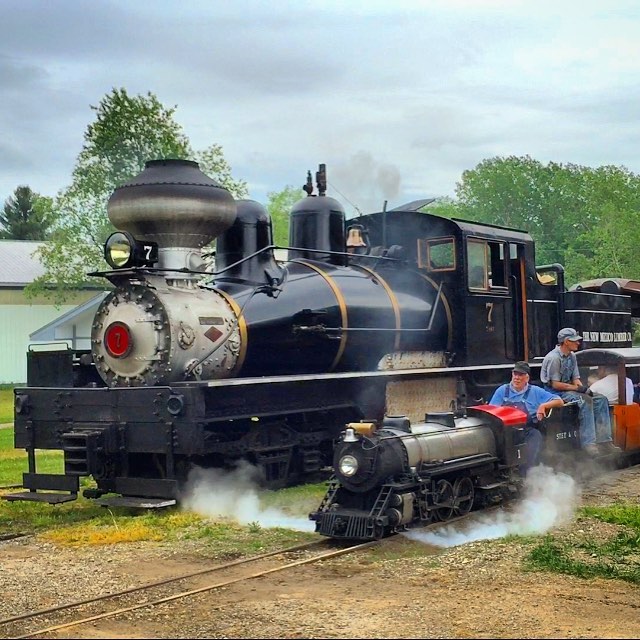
x: 316, y: 314
x: 265, y: 359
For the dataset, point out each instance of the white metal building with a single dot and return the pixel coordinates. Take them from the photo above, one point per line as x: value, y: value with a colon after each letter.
x: 19, y: 316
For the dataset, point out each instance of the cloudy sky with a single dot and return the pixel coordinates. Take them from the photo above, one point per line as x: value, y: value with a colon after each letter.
x: 397, y: 97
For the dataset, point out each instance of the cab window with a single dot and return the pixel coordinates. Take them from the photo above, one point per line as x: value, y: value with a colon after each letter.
x: 437, y: 254
x: 486, y: 264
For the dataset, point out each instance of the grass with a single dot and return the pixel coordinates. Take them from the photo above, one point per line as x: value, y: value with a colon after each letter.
x: 223, y: 538
x: 6, y: 403
x: 83, y: 522
x: 13, y: 462
x: 617, y: 557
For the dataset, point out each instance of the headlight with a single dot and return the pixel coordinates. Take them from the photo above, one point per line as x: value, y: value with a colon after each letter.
x: 122, y: 251
x: 348, y: 466
x: 118, y: 249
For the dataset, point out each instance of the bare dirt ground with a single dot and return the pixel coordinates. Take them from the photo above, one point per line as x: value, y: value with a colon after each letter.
x: 405, y: 590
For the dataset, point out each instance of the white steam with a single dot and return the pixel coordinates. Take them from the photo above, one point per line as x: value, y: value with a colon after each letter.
x: 550, y: 499
x: 234, y: 494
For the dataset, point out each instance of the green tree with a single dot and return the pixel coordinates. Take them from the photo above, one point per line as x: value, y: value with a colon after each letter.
x: 127, y: 132
x: 573, y: 212
x: 444, y: 206
x: 26, y: 216
x: 506, y: 191
x: 609, y: 249
x: 279, y: 205
x: 213, y: 163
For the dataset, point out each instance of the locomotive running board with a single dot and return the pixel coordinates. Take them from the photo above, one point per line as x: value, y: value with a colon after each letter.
x: 34, y: 496
x: 134, y: 502
x: 49, y: 482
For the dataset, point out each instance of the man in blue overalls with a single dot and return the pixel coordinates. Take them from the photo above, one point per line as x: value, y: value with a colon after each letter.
x: 534, y: 401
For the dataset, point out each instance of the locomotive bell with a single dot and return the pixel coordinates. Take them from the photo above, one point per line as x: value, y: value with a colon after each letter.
x: 173, y: 203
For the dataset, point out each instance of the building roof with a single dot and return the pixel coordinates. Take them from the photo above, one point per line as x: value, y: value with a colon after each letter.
x: 18, y: 266
x: 48, y: 332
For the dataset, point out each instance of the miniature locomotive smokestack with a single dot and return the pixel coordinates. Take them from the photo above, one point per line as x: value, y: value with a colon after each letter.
x: 176, y: 205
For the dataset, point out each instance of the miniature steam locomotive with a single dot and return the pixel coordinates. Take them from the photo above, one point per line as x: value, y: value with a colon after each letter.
x: 404, y: 474
x: 395, y: 475
x: 396, y: 312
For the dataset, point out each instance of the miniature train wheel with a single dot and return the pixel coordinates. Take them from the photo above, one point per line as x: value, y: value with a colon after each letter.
x: 443, y: 500
x: 463, y: 495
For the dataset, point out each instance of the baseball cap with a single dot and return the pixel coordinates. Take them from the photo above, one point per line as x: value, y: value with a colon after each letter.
x: 568, y: 334
x: 522, y: 367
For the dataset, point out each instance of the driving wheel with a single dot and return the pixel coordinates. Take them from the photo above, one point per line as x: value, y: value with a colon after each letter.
x: 443, y: 500
x: 463, y: 494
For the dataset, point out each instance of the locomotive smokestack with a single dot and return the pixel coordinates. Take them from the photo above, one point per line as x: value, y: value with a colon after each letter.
x: 173, y: 203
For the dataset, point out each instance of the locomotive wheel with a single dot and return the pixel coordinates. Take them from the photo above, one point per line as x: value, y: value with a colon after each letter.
x: 463, y: 493
x: 443, y: 500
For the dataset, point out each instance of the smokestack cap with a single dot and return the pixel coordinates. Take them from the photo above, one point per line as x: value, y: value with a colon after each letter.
x: 173, y: 203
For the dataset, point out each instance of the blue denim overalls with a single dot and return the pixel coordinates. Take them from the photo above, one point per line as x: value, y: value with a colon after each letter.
x: 532, y: 437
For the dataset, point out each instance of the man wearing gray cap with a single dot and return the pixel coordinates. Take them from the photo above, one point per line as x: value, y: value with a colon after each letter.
x: 560, y: 374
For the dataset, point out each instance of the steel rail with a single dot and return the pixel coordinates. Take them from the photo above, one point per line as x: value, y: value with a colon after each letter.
x: 192, y: 592
x: 158, y: 583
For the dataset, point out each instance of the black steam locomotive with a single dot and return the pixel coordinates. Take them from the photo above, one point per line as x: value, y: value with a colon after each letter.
x: 396, y: 312
x: 394, y: 475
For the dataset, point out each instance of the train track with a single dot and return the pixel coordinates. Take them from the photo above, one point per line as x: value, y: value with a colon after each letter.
x: 118, y: 603
x: 13, y: 536
x: 156, y: 593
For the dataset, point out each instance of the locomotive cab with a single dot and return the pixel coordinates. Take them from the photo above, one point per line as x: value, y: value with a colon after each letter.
x: 505, y: 307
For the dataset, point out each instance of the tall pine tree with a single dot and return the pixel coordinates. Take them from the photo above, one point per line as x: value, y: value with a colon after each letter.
x: 26, y: 216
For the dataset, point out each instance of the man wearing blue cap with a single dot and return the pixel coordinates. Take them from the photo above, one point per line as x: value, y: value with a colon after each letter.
x: 560, y: 374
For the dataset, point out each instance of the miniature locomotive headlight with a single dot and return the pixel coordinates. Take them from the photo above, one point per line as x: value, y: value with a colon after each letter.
x: 348, y: 466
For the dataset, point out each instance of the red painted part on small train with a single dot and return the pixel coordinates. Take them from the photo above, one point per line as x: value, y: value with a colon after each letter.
x: 509, y: 416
